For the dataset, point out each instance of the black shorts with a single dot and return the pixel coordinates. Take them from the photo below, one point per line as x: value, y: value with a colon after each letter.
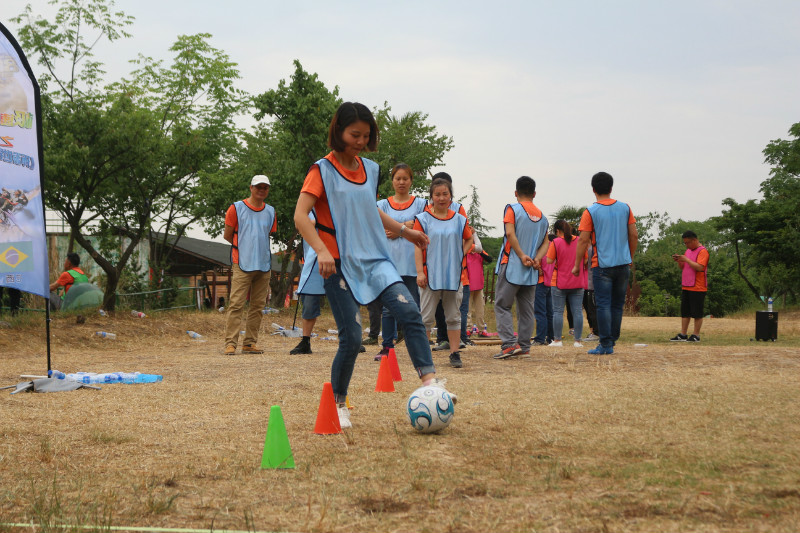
x: 692, y: 303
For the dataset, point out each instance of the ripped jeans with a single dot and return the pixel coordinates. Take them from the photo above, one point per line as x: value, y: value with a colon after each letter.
x: 346, y: 311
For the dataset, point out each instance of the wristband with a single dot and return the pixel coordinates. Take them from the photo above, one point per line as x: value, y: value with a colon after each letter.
x: 402, y: 229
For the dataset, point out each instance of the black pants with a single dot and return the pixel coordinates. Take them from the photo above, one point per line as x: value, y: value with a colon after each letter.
x: 375, y: 310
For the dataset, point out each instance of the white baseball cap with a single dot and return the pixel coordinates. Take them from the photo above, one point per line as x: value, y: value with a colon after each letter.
x: 258, y: 179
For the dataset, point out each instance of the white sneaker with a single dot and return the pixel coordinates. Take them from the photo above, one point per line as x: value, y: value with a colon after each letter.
x: 578, y: 344
x: 440, y: 382
x: 591, y: 337
x: 344, y: 417
x: 556, y: 344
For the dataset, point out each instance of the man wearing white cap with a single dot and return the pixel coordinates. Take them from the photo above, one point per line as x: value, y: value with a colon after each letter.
x: 248, y: 224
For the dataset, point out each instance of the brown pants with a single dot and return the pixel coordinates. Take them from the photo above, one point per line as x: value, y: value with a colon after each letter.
x: 257, y: 284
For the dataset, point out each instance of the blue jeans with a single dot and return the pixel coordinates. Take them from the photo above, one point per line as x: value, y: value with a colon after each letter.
x: 610, y: 288
x: 347, y: 314
x: 560, y: 297
x: 388, y: 323
x: 543, y: 311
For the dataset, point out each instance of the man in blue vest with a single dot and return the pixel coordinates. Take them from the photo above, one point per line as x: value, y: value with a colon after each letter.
x: 611, y: 229
x: 248, y: 225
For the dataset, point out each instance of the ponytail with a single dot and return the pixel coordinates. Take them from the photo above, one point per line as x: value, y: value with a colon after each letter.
x: 564, y: 227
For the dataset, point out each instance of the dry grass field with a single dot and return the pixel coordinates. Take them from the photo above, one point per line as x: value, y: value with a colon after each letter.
x: 665, y: 437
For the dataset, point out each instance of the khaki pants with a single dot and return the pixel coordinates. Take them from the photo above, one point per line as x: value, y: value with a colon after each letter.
x: 476, y: 309
x: 257, y: 284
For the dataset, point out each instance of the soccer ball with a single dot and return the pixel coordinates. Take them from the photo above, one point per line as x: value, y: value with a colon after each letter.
x: 430, y: 409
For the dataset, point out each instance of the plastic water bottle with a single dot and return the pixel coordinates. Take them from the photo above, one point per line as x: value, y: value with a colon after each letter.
x: 102, y: 312
x: 242, y: 332
x: 328, y: 338
x: 314, y: 334
x: 138, y: 314
x: 147, y: 378
x: 333, y: 331
x: 56, y: 374
x: 769, y: 304
x: 474, y: 329
x: 194, y: 334
x: 106, y: 335
x: 221, y: 309
x: 277, y: 327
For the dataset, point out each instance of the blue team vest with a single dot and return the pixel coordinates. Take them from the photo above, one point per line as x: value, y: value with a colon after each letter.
x: 611, y: 233
x: 252, y: 229
x: 311, y: 281
x: 445, y: 253
x: 402, y: 251
x: 530, y: 234
x: 365, y: 262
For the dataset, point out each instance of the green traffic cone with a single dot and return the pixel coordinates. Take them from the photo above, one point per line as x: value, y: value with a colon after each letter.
x: 277, y: 452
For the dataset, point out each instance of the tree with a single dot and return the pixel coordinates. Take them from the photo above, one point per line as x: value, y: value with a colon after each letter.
x: 570, y: 213
x: 408, y: 139
x: 121, y: 155
x: 476, y: 221
x: 766, y: 233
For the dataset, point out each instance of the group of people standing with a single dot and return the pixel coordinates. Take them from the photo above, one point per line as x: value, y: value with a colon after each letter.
x: 407, y: 258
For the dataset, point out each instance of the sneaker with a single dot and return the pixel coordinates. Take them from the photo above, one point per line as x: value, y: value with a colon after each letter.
x: 462, y: 345
x: 380, y: 355
x: 302, y: 348
x: 441, y: 346
x: 524, y: 354
x: 362, y: 349
x: 230, y: 350
x: 252, y: 349
x: 455, y: 360
x: 370, y: 341
x: 572, y: 331
x: 508, y: 352
x: 680, y: 337
x: 693, y: 338
x: 578, y: 344
x: 600, y: 350
x: 441, y: 382
x: 344, y: 417
x: 591, y: 337
x: 556, y: 344
x: 538, y: 343
x: 468, y: 343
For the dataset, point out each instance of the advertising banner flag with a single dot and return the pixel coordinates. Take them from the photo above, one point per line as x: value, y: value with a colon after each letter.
x: 23, y: 245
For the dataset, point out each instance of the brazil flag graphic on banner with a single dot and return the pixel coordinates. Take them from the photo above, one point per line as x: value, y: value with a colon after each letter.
x: 23, y: 249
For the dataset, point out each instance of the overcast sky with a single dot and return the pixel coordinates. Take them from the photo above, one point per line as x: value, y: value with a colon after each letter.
x: 676, y: 99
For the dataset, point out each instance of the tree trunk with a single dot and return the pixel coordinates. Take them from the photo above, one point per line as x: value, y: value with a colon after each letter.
x: 280, y: 283
x: 741, y: 273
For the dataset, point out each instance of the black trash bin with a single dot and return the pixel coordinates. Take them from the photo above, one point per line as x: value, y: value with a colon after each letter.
x: 766, y: 326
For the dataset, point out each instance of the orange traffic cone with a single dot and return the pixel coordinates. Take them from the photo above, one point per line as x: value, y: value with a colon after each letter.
x: 393, y: 366
x: 385, y: 383
x: 327, y: 415
x: 347, y: 402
